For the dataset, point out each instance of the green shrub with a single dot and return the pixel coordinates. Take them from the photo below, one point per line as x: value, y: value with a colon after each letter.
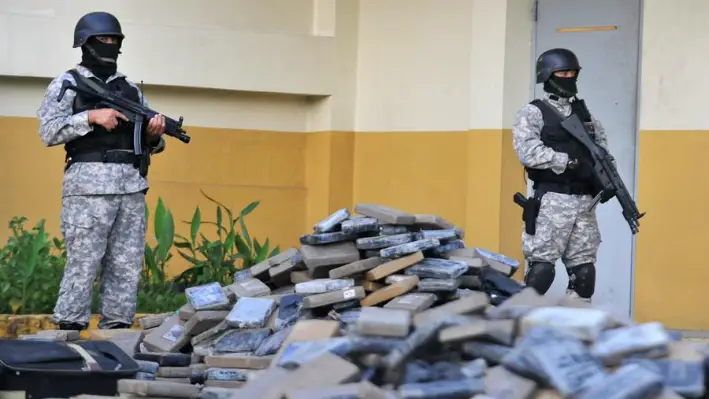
x: 31, y: 269
x: 219, y: 259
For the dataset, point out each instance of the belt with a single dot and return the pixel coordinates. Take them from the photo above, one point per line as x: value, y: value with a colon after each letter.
x: 110, y: 156
x: 560, y: 188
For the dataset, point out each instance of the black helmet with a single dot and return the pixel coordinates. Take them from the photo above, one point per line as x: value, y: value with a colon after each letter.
x: 96, y: 24
x: 556, y: 59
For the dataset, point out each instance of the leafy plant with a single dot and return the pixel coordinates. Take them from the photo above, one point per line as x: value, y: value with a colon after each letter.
x: 219, y: 259
x: 31, y: 269
x: 157, y: 257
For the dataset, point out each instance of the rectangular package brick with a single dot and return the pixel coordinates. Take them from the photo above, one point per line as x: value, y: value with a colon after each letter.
x: 438, y: 285
x: 323, y: 285
x: 360, y: 266
x: 239, y: 361
x: 428, y: 221
x: 207, y: 296
x: 241, y: 340
x: 308, y: 330
x: 385, y: 214
x: 409, y: 248
x: 477, y: 302
x: 320, y: 259
x: 249, y: 288
x: 272, y: 344
x: 160, y: 389
x: 251, y: 312
x: 497, y: 261
x: 331, y: 222
x: 210, y: 334
x: 612, y: 346
x: 186, y: 312
x: 442, y: 234
x: 437, y: 268
x: 327, y: 238
x: 204, y: 320
x: 392, y: 230
x: 585, y: 324
x: 280, y: 273
x: 413, y: 303
x: 329, y: 298
x: 154, y: 320
x: 383, y: 322
x: 379, y: 242
x: 288, y: 311
x: 169, y: 337
x: 393, y: 266
x: 390, y: 291
x: 360, y: 225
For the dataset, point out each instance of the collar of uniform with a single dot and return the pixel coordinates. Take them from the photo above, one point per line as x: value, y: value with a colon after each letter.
x: 84, y: 71
x: 556, y: 100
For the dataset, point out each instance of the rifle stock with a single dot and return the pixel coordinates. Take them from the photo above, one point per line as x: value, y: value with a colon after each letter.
x: 605, y: 172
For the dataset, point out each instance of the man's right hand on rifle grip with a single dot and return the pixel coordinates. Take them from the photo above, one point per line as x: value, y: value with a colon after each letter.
x: 106, y: 117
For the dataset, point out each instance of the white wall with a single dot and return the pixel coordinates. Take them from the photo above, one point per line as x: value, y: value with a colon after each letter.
x: 428, y: 67
x: 248, y: 45
x: 673, y: 90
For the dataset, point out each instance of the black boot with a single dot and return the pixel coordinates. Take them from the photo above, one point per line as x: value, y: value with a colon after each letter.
x: 118, y: 326
x: 65, y: 325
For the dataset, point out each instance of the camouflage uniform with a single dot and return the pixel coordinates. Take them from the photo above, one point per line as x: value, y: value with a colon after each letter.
x: 565, y: 228
x: 102, y: 218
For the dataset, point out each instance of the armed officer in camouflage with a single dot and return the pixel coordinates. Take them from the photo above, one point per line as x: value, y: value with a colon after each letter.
x: 563, y: 226
x: 103, y: 192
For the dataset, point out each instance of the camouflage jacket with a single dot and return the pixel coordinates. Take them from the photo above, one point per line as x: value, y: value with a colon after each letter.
x: 58, y: 126
x: 527, y: 142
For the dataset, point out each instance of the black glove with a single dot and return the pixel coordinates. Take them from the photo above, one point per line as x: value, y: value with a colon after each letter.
x: 581, y: 169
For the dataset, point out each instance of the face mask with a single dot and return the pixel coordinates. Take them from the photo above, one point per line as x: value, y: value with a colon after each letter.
x: 100, y: 57
x: 562, y: 87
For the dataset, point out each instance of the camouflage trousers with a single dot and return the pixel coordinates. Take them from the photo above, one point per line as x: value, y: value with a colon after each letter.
x: 565, y: 230
x: 106, y: 231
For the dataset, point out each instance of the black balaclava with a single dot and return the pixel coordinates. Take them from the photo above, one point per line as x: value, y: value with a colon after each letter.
x: 562, y: 87
x: 100, y: 58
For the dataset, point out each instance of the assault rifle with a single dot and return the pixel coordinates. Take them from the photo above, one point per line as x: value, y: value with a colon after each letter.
x: 135, y: 112
x: 604, y: 172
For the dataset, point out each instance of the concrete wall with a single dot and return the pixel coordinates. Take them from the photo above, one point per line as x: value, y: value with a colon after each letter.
x: 671, y: 276
x: 314, y: 105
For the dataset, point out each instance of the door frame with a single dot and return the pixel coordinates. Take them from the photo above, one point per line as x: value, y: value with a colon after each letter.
x: 638, y: 97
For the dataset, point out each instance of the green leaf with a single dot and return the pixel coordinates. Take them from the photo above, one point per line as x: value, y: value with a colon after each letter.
x: 257, y: 246
x: 219, y: 204
x: 188, y: 258
x: 249, y: 208
x: 219, y: 221
x: 242, y: 247
x: 164, y: 230
x: 196, y: 222
x: 245, y: 233
x: 182, y: 245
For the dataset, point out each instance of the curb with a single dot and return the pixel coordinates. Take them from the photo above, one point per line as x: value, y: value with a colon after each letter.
x: 12, y: 326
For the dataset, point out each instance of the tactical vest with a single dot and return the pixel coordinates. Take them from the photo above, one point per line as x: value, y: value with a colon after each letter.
x: 558, y: 139
x: 99, y: 140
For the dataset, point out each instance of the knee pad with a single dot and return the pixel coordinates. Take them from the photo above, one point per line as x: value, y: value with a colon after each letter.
x: 582, y: 279
x: 539, y: 276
